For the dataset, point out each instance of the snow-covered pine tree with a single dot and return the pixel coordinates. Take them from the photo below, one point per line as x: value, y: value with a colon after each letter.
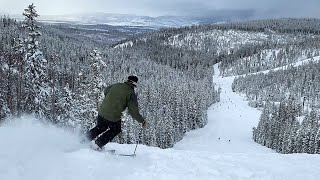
x: 298, y: 141
x: 5, y: 92
x: 291, y: 148
x: 272, y: 111
x: 165, y: 136
x: 84, y: 107
x: 97, y: 80
x: 36, y: 81
x: 317, y: 140
x: 286, y: 122
x: 64, y: 106
x: 31, y: 25
x: 4, y: 110
x: 273, y: 129
x: 90, y: 91
x: 19, y: 51
x: 307, y: 135
x: 314, y: 125
x: 292, y: 126
x: 260, y: 133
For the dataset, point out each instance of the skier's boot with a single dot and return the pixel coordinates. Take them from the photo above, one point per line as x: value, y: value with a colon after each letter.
x: 95, y: 147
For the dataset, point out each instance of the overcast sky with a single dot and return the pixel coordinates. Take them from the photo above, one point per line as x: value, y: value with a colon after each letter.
x: 283, y: 8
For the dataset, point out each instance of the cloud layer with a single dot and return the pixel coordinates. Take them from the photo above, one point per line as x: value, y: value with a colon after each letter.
x: 262, y: 8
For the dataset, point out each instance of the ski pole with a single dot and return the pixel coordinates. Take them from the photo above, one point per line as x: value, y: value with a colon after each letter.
x: 135, y: 150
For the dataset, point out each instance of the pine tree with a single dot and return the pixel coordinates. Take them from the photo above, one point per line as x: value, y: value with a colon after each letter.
x: 19, y: 51
x: 65, y: 107
x: 85, y: 109
x: 291, y: 146
x: 309, y: 129
x: 97, y: 81
x: 262, y: 128
x: 4, y: 110
x: 35, y: 77
x: 30, y: 24
x: 317, y: 142
x: 314, y: 126
x: 288, y: 121
x: 89, y: 92
x: 274, y: 130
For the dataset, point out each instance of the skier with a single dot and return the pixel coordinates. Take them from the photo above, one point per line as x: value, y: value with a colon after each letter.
x: 118, y: 97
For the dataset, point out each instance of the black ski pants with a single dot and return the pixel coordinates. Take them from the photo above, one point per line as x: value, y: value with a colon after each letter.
x: 106, y: 130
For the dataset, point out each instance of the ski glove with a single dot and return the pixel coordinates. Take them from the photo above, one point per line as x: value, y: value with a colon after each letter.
x: 144, y: 124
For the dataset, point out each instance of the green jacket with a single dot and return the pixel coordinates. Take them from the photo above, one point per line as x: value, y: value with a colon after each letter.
x: 117, y: 98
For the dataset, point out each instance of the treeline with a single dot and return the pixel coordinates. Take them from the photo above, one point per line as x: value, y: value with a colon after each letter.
x: 297, y: 90
x: 284, y: 25
x: 301, y: 82
x: 195, y: 63
x: 270, y: 58
x: 240, y: 49
x: 61, y: 54
x: 187, y: 51
x: 61, y: 79
x: 280, y: 129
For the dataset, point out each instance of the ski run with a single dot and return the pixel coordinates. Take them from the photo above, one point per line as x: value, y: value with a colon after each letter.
x: 222, y: 150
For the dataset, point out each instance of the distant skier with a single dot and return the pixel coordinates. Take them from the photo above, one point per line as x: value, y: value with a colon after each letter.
x: 118, y: 97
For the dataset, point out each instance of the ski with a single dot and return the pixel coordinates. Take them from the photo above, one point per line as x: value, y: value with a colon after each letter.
x: 112, y: 151
x: 127, y: 155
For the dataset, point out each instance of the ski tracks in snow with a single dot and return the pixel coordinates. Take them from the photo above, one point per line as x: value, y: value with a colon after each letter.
x: 228, y: 139
x: 230, y: 124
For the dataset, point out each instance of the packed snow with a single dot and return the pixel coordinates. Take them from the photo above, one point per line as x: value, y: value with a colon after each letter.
x: 224, y: 150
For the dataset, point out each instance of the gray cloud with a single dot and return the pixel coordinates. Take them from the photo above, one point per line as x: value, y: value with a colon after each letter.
x: 262, y: 8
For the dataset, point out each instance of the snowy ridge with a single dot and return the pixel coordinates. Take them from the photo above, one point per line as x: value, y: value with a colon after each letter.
x: 123, y: 20
x: 223, y: 40
x: 30, y: 150
x: 220, y: 41
x: 124, y: 45
x: 300, y: 62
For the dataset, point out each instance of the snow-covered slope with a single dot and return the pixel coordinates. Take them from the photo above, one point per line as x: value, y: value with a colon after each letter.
x: 30, y: 150
x: 226, y: 40
x: 300, y: 62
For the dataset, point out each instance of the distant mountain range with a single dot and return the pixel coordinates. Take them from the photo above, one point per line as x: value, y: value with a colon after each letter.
x: 147, y: 21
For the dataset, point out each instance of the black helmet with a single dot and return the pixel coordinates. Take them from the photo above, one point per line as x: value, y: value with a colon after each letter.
x: 133, y: 80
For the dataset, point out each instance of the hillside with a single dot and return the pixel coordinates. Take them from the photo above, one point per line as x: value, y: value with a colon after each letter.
x: 202, y: 154
x: 222, y: 101
x: 238, y: 100
x: 227, y: 43
x: 278, y: 64
x: 66, y: 87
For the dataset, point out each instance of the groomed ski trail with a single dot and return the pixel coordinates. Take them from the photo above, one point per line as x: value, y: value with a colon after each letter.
x: 30, y: 150
x: 230, y: 119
